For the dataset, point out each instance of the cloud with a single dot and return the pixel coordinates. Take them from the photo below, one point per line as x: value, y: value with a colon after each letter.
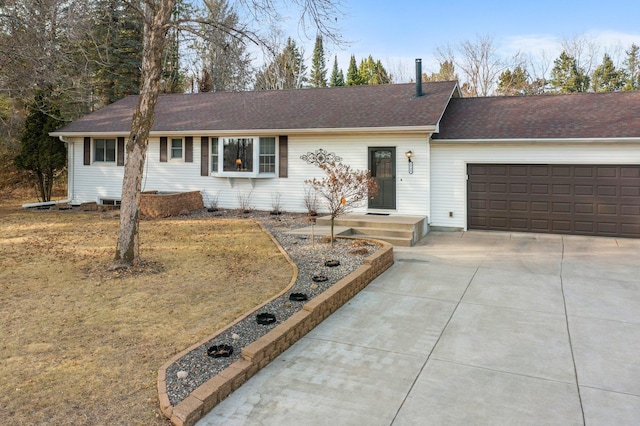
x: 550, y: 45
x: 531, y: 44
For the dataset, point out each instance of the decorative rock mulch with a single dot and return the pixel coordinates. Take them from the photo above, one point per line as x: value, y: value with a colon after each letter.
x: 310, y: 260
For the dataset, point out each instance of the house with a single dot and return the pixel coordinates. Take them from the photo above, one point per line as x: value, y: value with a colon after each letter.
x: 559, y: 164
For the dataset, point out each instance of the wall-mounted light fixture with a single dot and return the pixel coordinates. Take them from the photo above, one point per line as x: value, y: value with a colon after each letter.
x: 409, y: 154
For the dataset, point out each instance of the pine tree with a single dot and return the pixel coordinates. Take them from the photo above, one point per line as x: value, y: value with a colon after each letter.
x: 447, y: 73
x: 116, y: 51
x: 606, y: 78
x: 566, y: 77
x: 632, y: 69
x: 337, y: 77
x: 42, y: 155
x: 353, y: 76
x: 318, y: 75
x: 514, y: 82
x: 226, y: 65
x: 372, y: 72
x: 173, y: 79
x: 286, y: 71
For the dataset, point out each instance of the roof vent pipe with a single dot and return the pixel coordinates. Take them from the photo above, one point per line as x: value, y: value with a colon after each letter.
x: 418, y: 78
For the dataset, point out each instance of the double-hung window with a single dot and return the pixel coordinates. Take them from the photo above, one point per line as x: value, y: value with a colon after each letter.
x: 104, y: 150
x: 176, y: 149
x: 267, y: 160
x: 214, y: 155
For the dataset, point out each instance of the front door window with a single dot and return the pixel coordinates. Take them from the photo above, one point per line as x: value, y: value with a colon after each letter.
x: 382, y: 163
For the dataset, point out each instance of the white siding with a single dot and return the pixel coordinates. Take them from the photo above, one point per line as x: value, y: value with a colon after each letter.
x: 93, y: 182
x: 90, y: 183
x: 449, y: 168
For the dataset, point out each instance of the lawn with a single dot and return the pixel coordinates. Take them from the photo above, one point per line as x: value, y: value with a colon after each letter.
x: 82, y: 345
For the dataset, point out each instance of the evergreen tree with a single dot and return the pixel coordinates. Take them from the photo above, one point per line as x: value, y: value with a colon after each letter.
x: 173, y: 79
x: 116, y: 50
x: 372, y: 72
x: 286, y: 71
x: 353, y: 76
x: 41, y: 155
x: 606, y: 78
x: 632, y: 69
x: 226, y: 65
x: 514, y: 82
x: 447, y: 73
x: 566, y: 77
x: 318, y: 75
x: 337, y: 77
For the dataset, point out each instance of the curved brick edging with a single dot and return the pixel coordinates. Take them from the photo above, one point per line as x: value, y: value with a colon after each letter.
x: 265, y: 349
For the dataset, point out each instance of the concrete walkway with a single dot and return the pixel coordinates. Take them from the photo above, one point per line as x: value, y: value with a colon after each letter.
x: 468, y: 329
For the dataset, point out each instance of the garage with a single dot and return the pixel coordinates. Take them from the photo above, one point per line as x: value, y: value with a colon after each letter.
x: 601, y: 200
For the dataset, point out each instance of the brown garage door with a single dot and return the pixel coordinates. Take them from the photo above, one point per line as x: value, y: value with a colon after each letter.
x: 562, y: 199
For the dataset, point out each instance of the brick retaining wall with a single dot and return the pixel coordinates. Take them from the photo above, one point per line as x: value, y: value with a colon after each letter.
x: 154, y: 205
x: 264, y: 350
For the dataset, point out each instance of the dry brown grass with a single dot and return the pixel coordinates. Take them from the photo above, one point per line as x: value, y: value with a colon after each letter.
x: 80, y: 345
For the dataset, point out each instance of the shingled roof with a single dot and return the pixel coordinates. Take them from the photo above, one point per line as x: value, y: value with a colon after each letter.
x: 585, y: 115
x: 355, y: 107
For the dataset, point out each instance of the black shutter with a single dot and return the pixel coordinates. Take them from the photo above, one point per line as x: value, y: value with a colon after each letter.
x: 188, y: 149
x: 204, y: 156
x: 283, y: 156
x: 87, y: 151
x: 120, y: 152
x: 163, y: 149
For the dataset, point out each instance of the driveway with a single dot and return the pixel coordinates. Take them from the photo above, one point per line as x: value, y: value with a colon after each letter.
x: 468, y: 329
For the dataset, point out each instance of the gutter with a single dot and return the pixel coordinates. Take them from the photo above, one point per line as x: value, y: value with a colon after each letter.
x: 608, y: 140
x: 266, y: 132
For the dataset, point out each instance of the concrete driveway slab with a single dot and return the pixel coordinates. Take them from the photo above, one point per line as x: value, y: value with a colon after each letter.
x: 606, y: 354
x: 617, y: 265
x: 515, y: 341
x: 516, y: 289
x: 468, y: 328
x: 526, y: 255
x: 603, y: 298
x: 453, y: 394
x: 448, y: 248
x: 603, y: 408
x: 409, y: 325
x: 362, y: 386
x: 425, y: 279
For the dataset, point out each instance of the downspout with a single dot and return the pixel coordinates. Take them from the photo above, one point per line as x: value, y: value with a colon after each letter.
x: 70, y: 169
x: 69, y: 180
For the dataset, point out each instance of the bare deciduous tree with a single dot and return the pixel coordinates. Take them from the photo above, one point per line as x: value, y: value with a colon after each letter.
x: 156, y: 16
x: 480, y: 64
x: 343, y: 189
x: 584, y: 49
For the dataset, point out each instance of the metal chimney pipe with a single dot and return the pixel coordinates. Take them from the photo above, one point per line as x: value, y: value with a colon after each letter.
x: 418, y: 78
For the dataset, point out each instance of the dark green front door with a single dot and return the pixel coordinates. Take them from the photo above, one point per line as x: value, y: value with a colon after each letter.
x: 382, y: 163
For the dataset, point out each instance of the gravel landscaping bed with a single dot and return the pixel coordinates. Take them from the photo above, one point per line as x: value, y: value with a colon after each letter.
x: 196, y: 367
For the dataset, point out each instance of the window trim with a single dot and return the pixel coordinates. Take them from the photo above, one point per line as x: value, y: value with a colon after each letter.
x: 171, y: 148
x: 273, y: 156
x: 255, y: 173
x: 94, y: 150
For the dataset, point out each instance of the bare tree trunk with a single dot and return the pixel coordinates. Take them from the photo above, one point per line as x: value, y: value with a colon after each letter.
x: 156, y: 18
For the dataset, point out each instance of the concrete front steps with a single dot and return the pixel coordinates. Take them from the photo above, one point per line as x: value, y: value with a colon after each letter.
x: 397, y: 230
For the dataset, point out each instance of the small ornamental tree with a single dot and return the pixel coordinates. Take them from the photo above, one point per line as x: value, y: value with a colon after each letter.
x: 343, y: 189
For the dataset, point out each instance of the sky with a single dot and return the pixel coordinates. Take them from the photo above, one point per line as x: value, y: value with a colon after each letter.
x: 399, y: 31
